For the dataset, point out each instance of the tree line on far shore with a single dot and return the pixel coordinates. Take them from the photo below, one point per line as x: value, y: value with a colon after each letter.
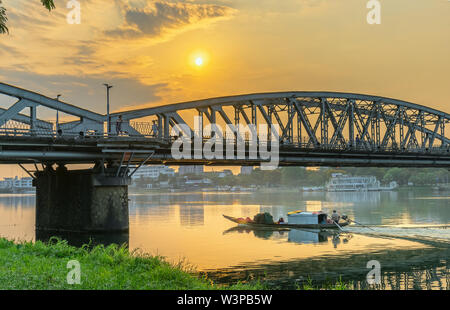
x: 301, y: 176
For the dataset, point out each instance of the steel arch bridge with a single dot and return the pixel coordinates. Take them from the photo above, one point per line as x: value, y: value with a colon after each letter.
x: 315, y: 129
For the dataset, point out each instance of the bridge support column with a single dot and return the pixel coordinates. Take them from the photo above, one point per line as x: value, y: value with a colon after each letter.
x: 81, y: 200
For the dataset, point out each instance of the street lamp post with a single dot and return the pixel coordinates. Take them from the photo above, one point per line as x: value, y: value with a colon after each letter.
x: 57, y: 114
x: 108, y: 87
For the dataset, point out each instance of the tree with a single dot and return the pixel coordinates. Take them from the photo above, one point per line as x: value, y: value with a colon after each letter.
x: 48, y: 4
x: 399, y: 175
x: 163, y: 177
x: 292, y: 175
x: 388, y: 178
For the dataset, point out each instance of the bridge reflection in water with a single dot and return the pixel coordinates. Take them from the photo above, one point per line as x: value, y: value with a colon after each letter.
x: 17, y: 222
x: 80, y: 239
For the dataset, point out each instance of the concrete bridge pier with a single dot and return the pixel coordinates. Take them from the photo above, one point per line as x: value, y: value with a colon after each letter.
x: 93, y: 200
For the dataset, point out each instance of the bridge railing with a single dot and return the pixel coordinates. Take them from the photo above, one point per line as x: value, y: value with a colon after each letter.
x: 54, y: 130
x: 145, y: 130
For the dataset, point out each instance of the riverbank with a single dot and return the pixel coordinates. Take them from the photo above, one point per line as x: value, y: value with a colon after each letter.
x: 45, y: 266
x: 40, y: 266
x: 143, y: 191
x: 263, y: 189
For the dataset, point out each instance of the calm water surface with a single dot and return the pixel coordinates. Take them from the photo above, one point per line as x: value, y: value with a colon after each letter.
x: 409, y: 236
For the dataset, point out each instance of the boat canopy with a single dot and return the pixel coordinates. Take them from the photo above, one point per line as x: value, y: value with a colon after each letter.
x: 305, y: 217
x: 294, y: 212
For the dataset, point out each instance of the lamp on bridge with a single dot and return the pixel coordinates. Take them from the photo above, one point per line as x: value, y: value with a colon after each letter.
x: 107, y: 107
x: 57, y: 114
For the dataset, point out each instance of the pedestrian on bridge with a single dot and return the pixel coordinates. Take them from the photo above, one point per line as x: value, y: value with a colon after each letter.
x: 119, y: 125
x: 357, y: 141
x: 155, y: 129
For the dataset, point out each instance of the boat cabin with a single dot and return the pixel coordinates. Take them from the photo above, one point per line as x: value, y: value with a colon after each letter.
x: 305, y: 217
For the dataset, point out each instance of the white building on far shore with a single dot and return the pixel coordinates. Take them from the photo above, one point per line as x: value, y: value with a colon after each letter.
x: 246, y: 170
x: 194, y: 169
x: 153, y: 172
x: 16, y: 182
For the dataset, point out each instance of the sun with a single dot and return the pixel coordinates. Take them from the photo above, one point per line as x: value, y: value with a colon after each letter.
x: 199, y: 61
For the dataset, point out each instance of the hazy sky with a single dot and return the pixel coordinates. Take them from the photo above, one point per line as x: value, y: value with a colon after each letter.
x: 146, y: 49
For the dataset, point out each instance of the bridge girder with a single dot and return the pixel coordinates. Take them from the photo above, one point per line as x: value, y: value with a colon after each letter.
x: 311, y: 122
x: 88, y: 120
x: 326, y: 119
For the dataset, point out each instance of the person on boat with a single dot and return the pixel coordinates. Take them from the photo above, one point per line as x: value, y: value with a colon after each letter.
x: 281, y: 221
x: 335, y: 216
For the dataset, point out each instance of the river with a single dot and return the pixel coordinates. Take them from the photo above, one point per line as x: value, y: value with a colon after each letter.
x: 409, y: 236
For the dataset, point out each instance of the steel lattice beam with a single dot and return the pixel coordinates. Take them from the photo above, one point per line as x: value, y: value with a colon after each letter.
x: 331, y: 122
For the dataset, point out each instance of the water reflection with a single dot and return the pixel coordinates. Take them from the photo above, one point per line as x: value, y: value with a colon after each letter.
x: 192, y: 215
x: 80, y: 239
x: 17, y: 201
x: 190, y: 226
x: 299, y: 236
x: 401, y: 269
x: 372, y: 198
x: 259, y: 232
x: 310, y: 236
x: 17, y: 213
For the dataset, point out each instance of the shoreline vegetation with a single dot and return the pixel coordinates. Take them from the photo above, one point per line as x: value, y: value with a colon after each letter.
x: 262, y: 189
x: 44, y: 266
x: 295, y: 177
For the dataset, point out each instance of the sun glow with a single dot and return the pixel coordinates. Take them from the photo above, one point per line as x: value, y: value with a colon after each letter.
x: 199, y: 61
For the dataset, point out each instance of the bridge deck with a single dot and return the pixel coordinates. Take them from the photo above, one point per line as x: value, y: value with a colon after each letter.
x: 75, y: 150
x: 312, y: 128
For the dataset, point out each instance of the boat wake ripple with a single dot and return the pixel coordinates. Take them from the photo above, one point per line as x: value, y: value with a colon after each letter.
x: 436, y: 235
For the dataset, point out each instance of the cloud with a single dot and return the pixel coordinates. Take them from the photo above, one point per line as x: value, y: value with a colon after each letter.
x: 113, y: 37
x: 87, y: 91
x: 43, y: 52
x: 158, y: 18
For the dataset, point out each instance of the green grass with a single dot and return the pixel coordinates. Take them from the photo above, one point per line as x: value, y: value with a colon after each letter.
x: 338, y: 285
x: 43, y: 266
x: 39, y: 265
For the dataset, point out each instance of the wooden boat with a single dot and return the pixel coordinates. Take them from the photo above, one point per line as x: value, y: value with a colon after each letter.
x: 281, y: 226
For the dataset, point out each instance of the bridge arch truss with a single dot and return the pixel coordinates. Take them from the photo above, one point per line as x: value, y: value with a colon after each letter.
x: 315, y: 128
x: 317, y: 120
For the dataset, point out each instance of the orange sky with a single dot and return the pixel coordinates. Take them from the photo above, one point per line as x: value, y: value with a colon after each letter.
x: 146, y: 49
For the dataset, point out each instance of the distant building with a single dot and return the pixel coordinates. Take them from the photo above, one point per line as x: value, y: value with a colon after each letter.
x: 190, y: 170
x: 153, y: 172
x: 164, y: 184
x: 246, y: 170
x: 7, y: 183
x: 16, y: 183
x: 197, y: 182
